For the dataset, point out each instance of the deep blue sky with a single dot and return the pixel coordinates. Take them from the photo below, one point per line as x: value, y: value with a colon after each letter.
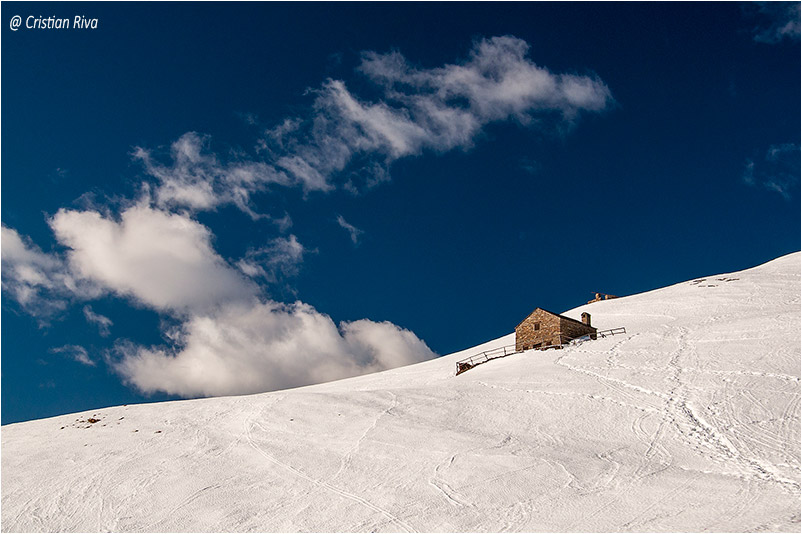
x: 459, y: 245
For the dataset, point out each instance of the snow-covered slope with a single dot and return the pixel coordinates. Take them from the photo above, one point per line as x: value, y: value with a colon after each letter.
x: 689, y: 422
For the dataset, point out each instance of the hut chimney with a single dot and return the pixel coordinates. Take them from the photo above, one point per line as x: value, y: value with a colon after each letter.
x: 586, y: 318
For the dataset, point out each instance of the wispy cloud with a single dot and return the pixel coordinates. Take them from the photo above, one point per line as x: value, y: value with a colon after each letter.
x: 103, y: 323
x: 352, y: 230
x: 417, y: 110
x: 530, y: 166
x: 775, y: 21
x: 76, y: 353
x: 196, y: 178
x: 436, y: 109
x: 42, y: 283
x: 280, y: 258
x: 778, y: 170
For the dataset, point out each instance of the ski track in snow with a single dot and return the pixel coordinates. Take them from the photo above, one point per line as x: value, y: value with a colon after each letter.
x: 689, y: 422
x: 250, y: 425
x: 452, y: 496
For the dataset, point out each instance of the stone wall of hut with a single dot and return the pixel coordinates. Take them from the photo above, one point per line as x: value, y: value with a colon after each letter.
x: 540, y: 329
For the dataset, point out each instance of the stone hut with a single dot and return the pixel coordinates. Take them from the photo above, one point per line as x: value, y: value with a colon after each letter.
x: 543, y: 328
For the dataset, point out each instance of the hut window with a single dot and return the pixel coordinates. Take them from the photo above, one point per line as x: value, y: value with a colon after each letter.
x: 536, y: 326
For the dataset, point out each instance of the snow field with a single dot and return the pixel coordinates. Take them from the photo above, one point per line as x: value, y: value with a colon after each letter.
x: 689, y: 422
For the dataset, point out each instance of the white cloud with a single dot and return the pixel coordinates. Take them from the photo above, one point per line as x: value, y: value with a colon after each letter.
x: 228, y: 340
x: 41, y: 282
x: 383, y: 345
x: 778, y: 171
x: 103, y: 323
x: 165, y: 261
x: 243, y: 349
x: 76, y: 353
x: 352, y: 230
x: 777, y: 21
